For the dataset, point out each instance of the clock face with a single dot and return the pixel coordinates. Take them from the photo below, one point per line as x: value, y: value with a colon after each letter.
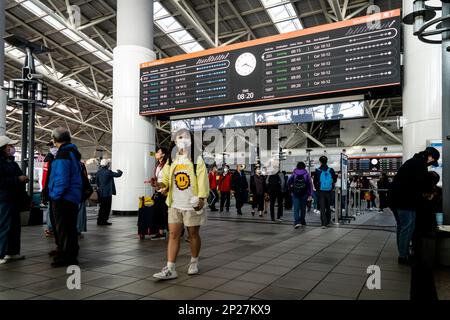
x: 245, y: 64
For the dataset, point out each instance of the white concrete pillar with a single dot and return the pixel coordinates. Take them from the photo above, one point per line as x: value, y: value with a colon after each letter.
x: 422, y: 91
x: 2, y: 70
x: 133, y: 135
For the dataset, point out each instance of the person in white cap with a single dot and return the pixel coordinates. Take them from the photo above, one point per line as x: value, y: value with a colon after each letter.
x: 12, y: 195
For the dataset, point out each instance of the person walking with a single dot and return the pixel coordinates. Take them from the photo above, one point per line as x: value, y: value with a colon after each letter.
x: 224, y: 186
x: 324, y: 180
x: 65, y: 192
x: 301, y: 187
x: 213, y: 195
x: 187, y: 186
x: 239, y: 187
x: 106, y: 189
x: 275, y: 187
x: 383, y: 187
x: 287, y: 198
x: 12, y: 198
x: 159, y: 198
x: 406, y: 194
x: 258, y: 188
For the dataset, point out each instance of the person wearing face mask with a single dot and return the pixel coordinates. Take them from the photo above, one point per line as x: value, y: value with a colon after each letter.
x: 406, y: 194
x: 160, y: 207
x: 12, y: 195
x: 225, y: 188
x: 258, y: 188
x: 44, y: 194
x: 185, y: 181
x: 239, y: 187
x: 106, y: 189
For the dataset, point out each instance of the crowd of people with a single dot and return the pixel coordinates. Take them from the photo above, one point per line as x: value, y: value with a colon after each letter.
x: 275, y: 192
x: 183, y: 188
x: 65, y: 190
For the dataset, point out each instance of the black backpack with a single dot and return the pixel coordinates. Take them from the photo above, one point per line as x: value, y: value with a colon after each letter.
x: 86, y: 188
x: 300, y: 187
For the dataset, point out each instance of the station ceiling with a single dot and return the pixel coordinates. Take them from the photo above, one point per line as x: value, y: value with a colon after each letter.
x: 79, y: 67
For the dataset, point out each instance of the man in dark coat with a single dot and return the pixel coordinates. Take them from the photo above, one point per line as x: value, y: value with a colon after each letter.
x: 407, y: 193
x: 106, y: 189
x: 12, y: 191
x: 239, y: 187
x: 276, y: 184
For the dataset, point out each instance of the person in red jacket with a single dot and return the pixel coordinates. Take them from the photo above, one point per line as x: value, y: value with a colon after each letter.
x: 213, y: 194
x: 225, y: 188
x: 44, y: 194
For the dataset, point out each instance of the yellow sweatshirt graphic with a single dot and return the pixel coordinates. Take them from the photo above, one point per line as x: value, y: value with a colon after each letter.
x: 186, y: 178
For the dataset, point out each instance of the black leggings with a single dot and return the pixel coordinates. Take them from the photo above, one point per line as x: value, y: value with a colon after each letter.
x: 258, y: 202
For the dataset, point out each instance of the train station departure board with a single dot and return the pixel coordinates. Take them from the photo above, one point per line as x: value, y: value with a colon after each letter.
x: 348, y: 56
x: 375, y: 164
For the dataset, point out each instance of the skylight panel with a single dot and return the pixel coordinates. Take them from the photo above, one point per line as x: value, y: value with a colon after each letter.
x: 181, y: 36
x: 53, y: 22
x: 280, y: 12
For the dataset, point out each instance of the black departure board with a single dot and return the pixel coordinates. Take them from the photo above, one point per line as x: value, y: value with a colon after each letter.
x: 375, y: 164
x: 345, y: 56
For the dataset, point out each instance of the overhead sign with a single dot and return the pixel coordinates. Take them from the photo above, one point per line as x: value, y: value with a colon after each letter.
x: 326, y: 112
x: 341, y: 57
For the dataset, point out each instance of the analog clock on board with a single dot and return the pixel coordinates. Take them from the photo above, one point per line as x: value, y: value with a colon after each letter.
x: 245, y: 64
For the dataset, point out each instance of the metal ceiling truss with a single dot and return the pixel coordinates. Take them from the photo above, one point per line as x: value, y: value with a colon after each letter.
x: 377, y: 111
x: 93, y: 120
x: 338, y: 10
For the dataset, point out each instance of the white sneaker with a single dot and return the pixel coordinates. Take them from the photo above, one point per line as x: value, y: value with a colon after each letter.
x: 297, y: 226
x: 280, y: 220
x: 324, y: 227
x: 193, y: 268
x: 14, y: 257
x: 166, y: 274
x: 3, y: 261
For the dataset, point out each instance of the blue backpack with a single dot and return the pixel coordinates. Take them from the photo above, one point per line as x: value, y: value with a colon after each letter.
x: 326, y: 180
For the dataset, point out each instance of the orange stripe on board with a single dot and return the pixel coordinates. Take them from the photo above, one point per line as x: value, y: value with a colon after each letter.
x: 283, y: 36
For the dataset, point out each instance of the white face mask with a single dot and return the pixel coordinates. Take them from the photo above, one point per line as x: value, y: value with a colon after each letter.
x: 183, y: 144
x: 53, y: 151
x: 225, y: 170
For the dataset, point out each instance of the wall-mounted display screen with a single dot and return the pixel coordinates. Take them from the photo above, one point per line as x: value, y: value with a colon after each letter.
x: 375, y: 164
x: 343, y: 57
x: 326, y: 112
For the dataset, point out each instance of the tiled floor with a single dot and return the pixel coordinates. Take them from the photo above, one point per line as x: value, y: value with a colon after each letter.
x: 247, y: 259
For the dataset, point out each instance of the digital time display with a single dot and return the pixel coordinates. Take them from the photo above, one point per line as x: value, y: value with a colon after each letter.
x: 344, y: 57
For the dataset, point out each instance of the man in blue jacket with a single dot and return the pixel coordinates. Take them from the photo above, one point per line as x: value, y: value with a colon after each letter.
x: 65, y: 190
x: 106, y: 189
